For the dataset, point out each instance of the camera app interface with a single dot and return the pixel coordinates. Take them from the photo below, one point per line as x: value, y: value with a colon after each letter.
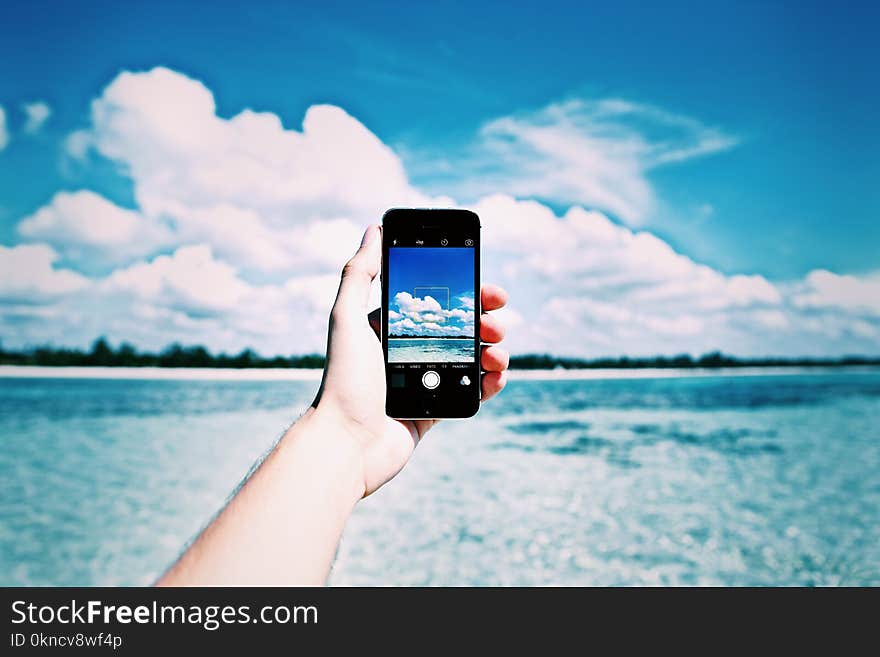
x: 431, y: 304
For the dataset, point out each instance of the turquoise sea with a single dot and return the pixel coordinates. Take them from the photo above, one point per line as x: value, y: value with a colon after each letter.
x: 430, y: 350
x: 720, y: 480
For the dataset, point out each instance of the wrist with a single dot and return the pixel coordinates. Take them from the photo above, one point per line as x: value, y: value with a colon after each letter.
x: 322, y: 437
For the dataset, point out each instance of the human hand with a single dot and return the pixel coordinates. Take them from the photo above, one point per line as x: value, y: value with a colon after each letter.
x: 284, y: 524
x: 352, y: 390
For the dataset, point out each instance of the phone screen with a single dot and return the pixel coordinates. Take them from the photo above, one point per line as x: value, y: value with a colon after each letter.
x: 431, y: 313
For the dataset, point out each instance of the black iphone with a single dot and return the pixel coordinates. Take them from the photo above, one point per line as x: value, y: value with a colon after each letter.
x: 431, y: 313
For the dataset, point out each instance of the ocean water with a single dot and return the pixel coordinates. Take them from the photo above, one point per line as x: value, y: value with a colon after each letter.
x: 427, y: 350
x: 717, y: 480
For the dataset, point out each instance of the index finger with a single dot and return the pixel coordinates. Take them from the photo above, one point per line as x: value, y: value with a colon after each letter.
x: 492, y: 297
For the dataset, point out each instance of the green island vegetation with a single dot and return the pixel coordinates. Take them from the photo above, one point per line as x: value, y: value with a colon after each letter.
x: 103, y: 354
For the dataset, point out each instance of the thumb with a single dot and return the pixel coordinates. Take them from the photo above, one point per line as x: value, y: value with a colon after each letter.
x: 358, y: 275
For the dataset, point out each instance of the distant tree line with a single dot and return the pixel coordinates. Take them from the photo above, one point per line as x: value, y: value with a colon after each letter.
x: 683, y: 361
x: 103, y: 354
x: 126, y: 355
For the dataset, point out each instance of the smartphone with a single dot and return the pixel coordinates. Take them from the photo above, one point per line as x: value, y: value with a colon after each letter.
x: 431, y: 313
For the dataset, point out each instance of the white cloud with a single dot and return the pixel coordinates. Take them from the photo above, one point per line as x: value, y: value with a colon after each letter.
x: 405, y: 324
x: 618, y: 318
x: 823, y: 288
x: 264, y: 196
x: 188, y: 296
x: 590, y: 152
x: 410, y: 305
x: 28, y: 275
x: 86, y: 226
x: 186, y: 161
x: 462, y: 315
x: 244, y: 198
x: 77, y: 144
x: 427, y: 316
x: 196, y: 285
x: 589, y: 286
x: 771, y: 319
x: 408, y: 326
x: 241, y: 226
x: 36, y: 115
x: 586, y: 252
x: 190, y: 279
x: 318, y: 291
x: 4, y: 133
x: 865, y: 329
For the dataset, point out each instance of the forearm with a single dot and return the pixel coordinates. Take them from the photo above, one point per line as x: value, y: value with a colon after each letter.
x: 283, y: 526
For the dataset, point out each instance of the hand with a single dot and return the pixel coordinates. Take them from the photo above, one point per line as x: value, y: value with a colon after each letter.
x: 353, y: 386
x: 283, y: 525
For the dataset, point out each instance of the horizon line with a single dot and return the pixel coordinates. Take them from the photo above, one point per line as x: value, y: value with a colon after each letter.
x: 101, y: 349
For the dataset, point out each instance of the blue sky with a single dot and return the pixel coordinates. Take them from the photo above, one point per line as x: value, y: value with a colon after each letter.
x: 794, y: 81
x: 742, y: 136
x: 433, y: 288
x: 450, y: 267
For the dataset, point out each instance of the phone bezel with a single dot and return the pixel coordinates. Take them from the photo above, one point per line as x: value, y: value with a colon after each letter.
x: 398, y: 222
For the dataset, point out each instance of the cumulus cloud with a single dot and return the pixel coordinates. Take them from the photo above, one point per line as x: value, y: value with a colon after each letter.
x: 4, y: 133
x: 426, y: 316
x: 584, y: 251
x: 85, y: 226
x: 462, y: 315
x: 276, y: 205
x: 241, y: 225
x: 187, y: 296
x: 28, y: 275
x: 36, y: 115
x: 823, y: 288
x: 189, y: 279
x: 410, y: 305
x: 268, y: 197
x: 200, y: 289
x: 596, y: 287
x: 186, y: 162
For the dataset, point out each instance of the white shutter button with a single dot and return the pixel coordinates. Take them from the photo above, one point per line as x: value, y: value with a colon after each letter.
x: 430, y: 379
